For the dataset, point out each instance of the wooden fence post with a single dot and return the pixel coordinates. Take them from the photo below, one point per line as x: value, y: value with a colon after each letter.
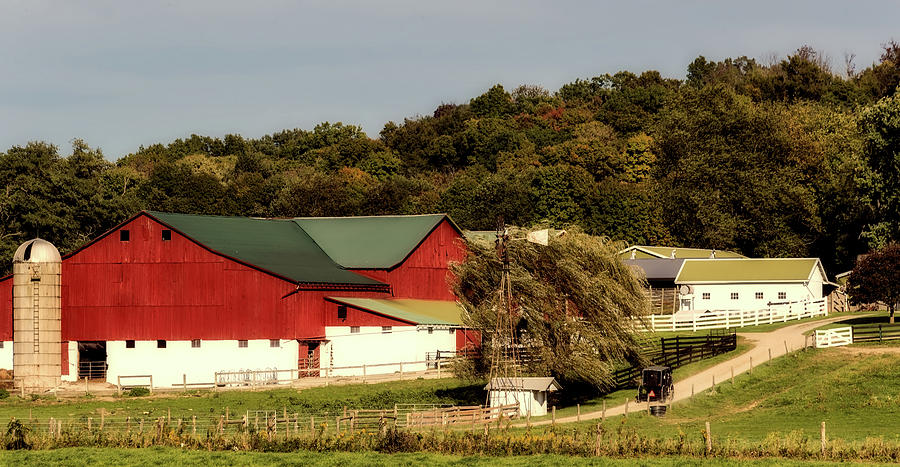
x: 770, y: 354
x: 822, y: 435
x: 732, y: 375
x: 90, y: 419
x: 577, y: 412
x: 552, y: 416
x: 708, y: 439
x: 102, y: 419
x: 785, y: 348
x: 184, y: 381
x: 692, y: 391
x: 597, y: 442
x: 141, y: 426
x: 603, y: 412
x: 751, y: 366
x: 119, y: 385
x: 627, y: 400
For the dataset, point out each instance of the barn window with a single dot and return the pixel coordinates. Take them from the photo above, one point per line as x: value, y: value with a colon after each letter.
x: 706, y: 295
x: 160, y: 344
x: 385, y: 329
x: 274, y: 343
x: 354, y: 329
x: 430, y: 330
x: 166, y: 235
x: 124, y: 235
x: 1, y: 344
x: 782, y: 295
x: 734, y: 295
x: 129, y: 344
x: 242, y: 344
x: 759, y: 295
x: 342, y: 312
x: 195, y: 343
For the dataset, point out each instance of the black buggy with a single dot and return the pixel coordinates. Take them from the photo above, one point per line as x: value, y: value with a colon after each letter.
x: 656, y: 385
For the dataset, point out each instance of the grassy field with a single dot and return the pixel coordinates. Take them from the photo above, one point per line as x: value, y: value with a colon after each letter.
x: 174, y: 456
x: 855, y: 390
x: 210, y: 404
x: 880, y: 317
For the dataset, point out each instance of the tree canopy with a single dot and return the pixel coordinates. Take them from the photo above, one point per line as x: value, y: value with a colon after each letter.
x: 572, y: 302
x: 782, y: 159
x: 876, y: 278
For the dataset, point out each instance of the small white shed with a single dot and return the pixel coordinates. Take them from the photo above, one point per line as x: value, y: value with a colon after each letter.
x: 531, y: 393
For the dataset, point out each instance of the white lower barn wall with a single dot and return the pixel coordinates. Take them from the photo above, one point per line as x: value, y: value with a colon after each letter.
x: 6, y: 355
x: 72, y: 350
x: 720, y: 295
x: 372, y: 346
x: 198, y: 364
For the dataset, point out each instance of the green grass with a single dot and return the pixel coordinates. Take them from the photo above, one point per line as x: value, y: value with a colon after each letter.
x: 880, y: 317
x: 174, y: 456
x: 206, y: 404
x: 857, y: 395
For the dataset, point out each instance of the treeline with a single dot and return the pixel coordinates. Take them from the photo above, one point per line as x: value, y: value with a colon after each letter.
x: 781, y: 159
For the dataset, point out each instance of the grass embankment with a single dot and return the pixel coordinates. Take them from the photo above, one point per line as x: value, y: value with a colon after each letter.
x: 175, y: 456
x: 618, y: 397
x: 855, y: 392
x: 209, y: 404
x: 856, y: 319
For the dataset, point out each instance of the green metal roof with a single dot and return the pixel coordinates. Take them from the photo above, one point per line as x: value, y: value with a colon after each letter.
x: 697, y: 271
x: 277, y: 246
x: 642, y: 251
x: 437, y: 312
x: 372, y: 242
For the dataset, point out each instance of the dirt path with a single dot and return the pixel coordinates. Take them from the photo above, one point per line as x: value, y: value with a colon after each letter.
x: 778, y: 342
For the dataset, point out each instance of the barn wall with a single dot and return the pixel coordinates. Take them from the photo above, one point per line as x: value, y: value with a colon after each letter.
x: 6, y: 315
x: 6, y: 354
x: 468, y: 339
x: 372, y: 346
x: 356, y: 317
x: 148, y: 289
x: 198, y: 364
x: 424, y: 274
x: 720, y: 295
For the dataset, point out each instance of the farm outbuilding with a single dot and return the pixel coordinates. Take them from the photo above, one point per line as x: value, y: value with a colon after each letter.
x: 531, y: 393
x: 731, y: 283
x: 183, y: 296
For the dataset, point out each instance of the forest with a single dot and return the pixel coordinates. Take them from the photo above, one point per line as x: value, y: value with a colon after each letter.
x: 786, y: 158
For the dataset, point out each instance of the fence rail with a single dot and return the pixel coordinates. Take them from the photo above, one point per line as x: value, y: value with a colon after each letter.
x: 834, y: 337
x: 726, y: 319
x: 876, y: 332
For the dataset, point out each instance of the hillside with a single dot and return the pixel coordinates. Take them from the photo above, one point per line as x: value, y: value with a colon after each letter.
x: 789, y: 158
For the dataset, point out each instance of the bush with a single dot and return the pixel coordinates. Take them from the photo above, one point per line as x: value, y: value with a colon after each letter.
x: 137, y: 392
x: 4, y: 393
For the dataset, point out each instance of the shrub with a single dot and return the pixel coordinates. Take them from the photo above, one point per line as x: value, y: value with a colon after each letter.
x: 137, y: 392
x: 4, y: 393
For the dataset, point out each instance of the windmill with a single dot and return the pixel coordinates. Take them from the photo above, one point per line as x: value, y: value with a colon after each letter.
x: 506, y: 384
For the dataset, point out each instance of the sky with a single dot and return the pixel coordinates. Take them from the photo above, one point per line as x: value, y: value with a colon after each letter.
x: 122, y: 74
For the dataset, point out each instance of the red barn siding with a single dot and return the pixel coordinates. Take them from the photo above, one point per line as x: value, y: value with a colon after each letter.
x: 424, y: 274
x: 468, y: 339
x: 357, y: 317
x: 6, y: 322
x: 147, y: 289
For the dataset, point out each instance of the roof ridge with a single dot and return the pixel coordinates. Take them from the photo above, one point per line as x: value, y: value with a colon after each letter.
x: 371, y: 216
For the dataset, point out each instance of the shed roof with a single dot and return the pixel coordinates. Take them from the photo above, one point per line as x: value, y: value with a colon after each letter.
x: 370, y: 242
x: 437, y: 312
x: 277, y: 246
x: 710, y: 271
x: 543, y: 383
x: 643, y: 251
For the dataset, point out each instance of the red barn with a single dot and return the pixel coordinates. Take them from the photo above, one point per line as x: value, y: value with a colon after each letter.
x: 173, y: 294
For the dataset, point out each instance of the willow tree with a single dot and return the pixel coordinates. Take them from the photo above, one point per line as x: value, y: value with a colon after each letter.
x: 573, y: 303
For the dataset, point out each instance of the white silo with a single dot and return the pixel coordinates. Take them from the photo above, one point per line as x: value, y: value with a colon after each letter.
x: 36, y: 315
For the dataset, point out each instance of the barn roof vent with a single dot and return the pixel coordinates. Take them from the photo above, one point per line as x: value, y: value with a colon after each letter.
x: 37, y: 251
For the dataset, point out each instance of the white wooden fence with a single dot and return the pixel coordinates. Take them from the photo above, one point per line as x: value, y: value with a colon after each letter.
x: 834, y: 337
x: 698, y: 320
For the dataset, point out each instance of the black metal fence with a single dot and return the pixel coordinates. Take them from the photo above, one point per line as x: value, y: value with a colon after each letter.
x: 875, y: 332
x: 677, y: 351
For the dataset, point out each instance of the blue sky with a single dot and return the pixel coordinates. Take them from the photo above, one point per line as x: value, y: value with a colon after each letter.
x: 122, y: 74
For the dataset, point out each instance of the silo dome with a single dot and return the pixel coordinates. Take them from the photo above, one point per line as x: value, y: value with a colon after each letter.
x: 37, y: 251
